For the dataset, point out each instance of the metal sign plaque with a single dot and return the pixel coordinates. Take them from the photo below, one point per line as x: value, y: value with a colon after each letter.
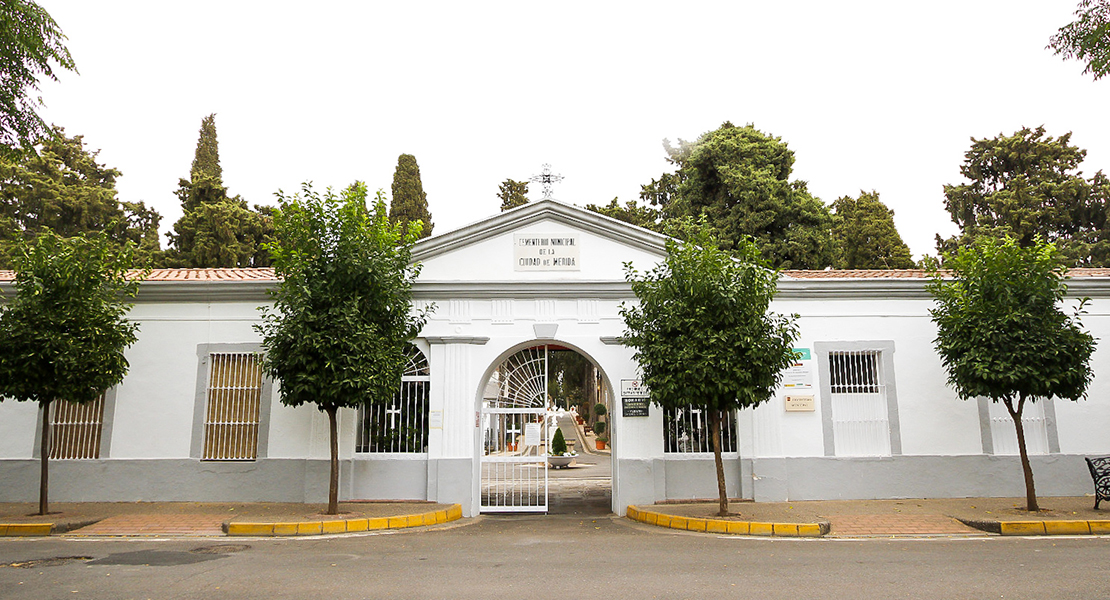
x: 634, y: 407
x: 635, y: 398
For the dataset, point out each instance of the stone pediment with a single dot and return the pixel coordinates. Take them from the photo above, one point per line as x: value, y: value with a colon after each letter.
x: 535, y: 245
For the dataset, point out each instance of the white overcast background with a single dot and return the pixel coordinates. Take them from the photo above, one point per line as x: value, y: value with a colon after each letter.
x: 870, y: 95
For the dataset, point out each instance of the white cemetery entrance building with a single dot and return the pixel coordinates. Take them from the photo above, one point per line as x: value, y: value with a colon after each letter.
x: 864, y: 413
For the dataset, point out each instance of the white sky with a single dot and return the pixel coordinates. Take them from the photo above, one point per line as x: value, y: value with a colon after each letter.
x: 869, y: 95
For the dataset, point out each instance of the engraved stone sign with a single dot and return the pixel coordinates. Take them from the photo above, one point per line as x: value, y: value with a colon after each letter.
x: 546, y: 252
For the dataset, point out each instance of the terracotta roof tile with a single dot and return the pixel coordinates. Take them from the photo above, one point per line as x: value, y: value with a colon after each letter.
x: 267, y: 274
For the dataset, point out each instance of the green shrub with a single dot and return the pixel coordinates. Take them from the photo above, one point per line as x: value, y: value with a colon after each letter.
x: 558, y: 443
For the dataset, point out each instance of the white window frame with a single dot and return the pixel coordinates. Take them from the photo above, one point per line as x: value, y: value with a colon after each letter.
x: 883, y: 389
x: 200, y: 409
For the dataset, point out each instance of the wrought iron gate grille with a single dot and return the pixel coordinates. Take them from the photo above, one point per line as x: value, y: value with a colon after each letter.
x: 402, y: 425
x: 514, y: 420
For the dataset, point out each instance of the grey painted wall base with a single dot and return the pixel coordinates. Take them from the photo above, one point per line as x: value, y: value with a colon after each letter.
x: 827, y: 478
x: 449, y: 481
x: 646, y: 481
x: 389, y: 479
x: 120, y: 480
x: 642, y: 481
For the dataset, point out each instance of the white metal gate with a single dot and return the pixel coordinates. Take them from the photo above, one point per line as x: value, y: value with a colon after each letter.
x: 514, y: 434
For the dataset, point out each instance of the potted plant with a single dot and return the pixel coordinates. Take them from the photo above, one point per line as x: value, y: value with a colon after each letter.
x: 599, y: 426
x: 559, y: 457
x: 599, y: 429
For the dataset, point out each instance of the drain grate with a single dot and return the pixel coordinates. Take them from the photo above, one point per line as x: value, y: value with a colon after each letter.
x: 220, y: 549
x: 53, y: 561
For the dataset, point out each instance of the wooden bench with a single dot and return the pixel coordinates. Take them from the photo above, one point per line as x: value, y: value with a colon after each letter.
x: 1100, y: 472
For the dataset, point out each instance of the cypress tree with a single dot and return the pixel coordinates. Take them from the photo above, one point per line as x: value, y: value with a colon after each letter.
x: 216, y: 230
x: 206, y: 162
x: 409, y: 203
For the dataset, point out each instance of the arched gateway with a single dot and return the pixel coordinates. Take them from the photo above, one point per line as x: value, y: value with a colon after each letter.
x: 541, y: 276
x: 519, y: 416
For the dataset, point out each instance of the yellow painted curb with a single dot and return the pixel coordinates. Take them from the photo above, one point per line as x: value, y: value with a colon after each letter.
x: 723, y: 526
x: 331, y: 526
x: 26, y: 529
x: 1102, y: 527
x: 1022, y: 527
x: 1067, y: 528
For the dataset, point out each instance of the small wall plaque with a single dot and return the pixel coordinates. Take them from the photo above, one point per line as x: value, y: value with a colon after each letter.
x: 799, y: 403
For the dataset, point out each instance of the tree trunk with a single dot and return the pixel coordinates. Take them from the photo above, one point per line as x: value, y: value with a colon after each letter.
x: 44, y: 460
x: 1030, y: 491
x: 715, y: 434
x: 333, y: 485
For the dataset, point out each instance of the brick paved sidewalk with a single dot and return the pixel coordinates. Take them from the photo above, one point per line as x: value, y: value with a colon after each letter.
x: 148, y: 525
x: 882, y: 525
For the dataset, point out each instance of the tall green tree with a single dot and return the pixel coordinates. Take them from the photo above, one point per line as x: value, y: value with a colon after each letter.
x: 31, y: 46
x: 1002, y: 335
x: 410, y: 203
x: 65, y: 331
x: 216, y: 230
x: 63, y: 189
x: 1087, y: 38
x: 865, y: 237
x: 703, y: 331
x: 1027, y: 186
x: 739, y: 179
x: 342, y: 313
x: 512, y: 194
x: 640, y: 215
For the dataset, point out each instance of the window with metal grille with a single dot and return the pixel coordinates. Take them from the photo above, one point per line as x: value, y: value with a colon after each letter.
x: 400, y: 426
x: 232, y: 408
x: 687, y: 429
x: 75, y: 429
x: 859, y: 404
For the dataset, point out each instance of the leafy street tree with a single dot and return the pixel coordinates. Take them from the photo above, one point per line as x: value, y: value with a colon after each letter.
x: 703, y: 333
x: 865, y: 236
x: 31, y: 43
x: 739, y: 178
x: 1028, y: 185
x: 65, y: 330
x: 410, y: 203
x: 216, y: 230
x: 1001, y: 334
x: 1087, y: 38
x: 63, y: 189
x: 342, y: 313
x: 512, y: 194
x: 631, y: 213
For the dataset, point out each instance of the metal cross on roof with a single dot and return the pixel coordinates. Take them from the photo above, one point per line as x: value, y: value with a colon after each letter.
x: 546, y: 178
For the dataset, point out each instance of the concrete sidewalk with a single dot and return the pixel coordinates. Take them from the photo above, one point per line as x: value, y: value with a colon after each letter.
x: 886, y: 518
x: 832, y: 518
x: 201, y: 519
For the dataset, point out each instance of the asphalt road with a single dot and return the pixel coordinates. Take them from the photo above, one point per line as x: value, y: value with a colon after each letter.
x: 557, y: 557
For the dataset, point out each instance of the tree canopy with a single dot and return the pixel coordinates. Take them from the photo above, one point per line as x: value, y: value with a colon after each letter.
x: 410, y: 203
x: 1028, y: 185
x: 342, y: 314
x: 512, y: 194
x: 1001, y: 333
x: 1087, y: 38
x: 64, y: 189
x: 739, y: 179
x: 216, y: 230
x: 31, y: 46
x: 640, y: 215
x: 865, y: 237
x: 65, y: 331
x: 703, y: 332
